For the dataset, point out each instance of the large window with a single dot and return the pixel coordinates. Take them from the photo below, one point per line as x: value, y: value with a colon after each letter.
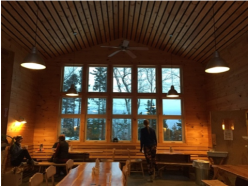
x: 114, y: 101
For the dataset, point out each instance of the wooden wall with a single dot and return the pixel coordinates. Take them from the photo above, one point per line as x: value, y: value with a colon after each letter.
x: 195, y: 112
x: 23, y: 92
x: 237, y: 152
x: 227, y: 98
x: 7, y: 60
x: 229, y: 90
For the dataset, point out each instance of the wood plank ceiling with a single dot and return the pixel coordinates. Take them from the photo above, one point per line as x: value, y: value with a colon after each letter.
x: 191, y: 24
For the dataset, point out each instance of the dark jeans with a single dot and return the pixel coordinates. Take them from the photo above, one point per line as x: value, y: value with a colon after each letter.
x: 150, y: 154
x: 23, y: 154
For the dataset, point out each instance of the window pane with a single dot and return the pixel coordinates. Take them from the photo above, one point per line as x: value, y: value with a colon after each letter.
x: 71, y: 106
x: 70, y: 127
x: 122, y: 106
x: 96, y: 129
x: 172, y: 129
x: 172, y: 107
x: 146, y: 106
x: 152, y: 124
x: 122, y: 79
x: 96, y: 106
x: 72, y: 75
x: 146, y: 80
x: 97, y: 79
x: 121, y: 129
x: 167, y: 81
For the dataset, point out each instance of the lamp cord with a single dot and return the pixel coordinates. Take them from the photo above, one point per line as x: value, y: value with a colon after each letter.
x: 214, y: 29
x: 171, y: 64
x: 36, y: 24
x: 75, y: 34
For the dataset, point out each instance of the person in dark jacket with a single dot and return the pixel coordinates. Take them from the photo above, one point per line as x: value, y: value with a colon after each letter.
x: 148, y: 142
x: 18, y: 153
x: 61, y: 154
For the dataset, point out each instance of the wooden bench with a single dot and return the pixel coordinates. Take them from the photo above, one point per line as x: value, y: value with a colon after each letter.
x: 47, y: 164
x: 213, y: 183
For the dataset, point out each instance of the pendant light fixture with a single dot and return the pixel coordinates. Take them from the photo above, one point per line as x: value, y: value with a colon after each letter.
x: 34, y: 60
x: 172, y: 92
x: 216, y: 64
x: 72, y: 90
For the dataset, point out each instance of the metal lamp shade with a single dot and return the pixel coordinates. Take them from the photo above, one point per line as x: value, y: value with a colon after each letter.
x: 34, y: 61
x: 172, y: 92
x: 72, y: 91
x: 216, y: 64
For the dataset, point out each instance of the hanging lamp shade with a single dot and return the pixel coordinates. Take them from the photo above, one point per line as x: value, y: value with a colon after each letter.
x: 33, y: 61
x: 172, y: 92
x: 216, y: 64
x: 72, y: 91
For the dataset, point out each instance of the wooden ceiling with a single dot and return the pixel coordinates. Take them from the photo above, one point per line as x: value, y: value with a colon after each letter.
x: 150, y: 23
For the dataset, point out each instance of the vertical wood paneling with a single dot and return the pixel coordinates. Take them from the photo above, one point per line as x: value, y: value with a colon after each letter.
x: 23, y: 93
x: 229, y: 90
x: 7, y: 59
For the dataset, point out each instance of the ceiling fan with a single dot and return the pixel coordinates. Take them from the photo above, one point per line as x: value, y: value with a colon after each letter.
x: 125, y: 48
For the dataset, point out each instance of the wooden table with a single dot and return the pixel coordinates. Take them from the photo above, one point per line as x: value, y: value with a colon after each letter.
x: 238, y: 170
x: 82, y: 175
x: 175, y: 156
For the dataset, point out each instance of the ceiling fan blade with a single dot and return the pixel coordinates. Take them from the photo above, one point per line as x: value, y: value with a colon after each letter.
x: 130, y: 54
x: 138, y: 48
x: 110, y: 47
x: 125, y: 43
x: 114, y: 53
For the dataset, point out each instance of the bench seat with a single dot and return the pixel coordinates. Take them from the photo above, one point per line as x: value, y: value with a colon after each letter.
x: 44, y: 163
x: 213, y: 183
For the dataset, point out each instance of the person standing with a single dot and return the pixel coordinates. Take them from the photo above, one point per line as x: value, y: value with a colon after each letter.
x: 61, y: 154
x: 148, y: 142
x: 18, y: 153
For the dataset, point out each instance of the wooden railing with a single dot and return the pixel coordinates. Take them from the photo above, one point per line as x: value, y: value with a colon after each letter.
x: 120, y: 153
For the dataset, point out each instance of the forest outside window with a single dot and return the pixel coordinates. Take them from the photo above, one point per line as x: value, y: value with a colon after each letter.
x: 70, y: 121
x: 125, y: 105
x: 122, y: 122
x: 146, y: 80
x: 96, y: 119
x: 122, y: 79
x: 97, y: 79
x: 72, y: 75
x: 172, y: 122
x: 171, y: 76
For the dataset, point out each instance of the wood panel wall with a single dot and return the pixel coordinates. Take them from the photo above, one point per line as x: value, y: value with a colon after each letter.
x: 237, y: 152
x: 23, y: 94
x: 229, y: 90
x: 7, y: 60
x: 47, y: 111
x: 227, y: 98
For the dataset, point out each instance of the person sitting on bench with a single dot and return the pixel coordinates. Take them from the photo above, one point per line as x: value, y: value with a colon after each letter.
x: 61, y: 154
x: 18, y: 153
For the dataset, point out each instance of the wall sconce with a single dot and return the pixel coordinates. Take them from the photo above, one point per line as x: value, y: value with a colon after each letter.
x: 164, y: 129
x: 22, y: 120
x: 227, y: 124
